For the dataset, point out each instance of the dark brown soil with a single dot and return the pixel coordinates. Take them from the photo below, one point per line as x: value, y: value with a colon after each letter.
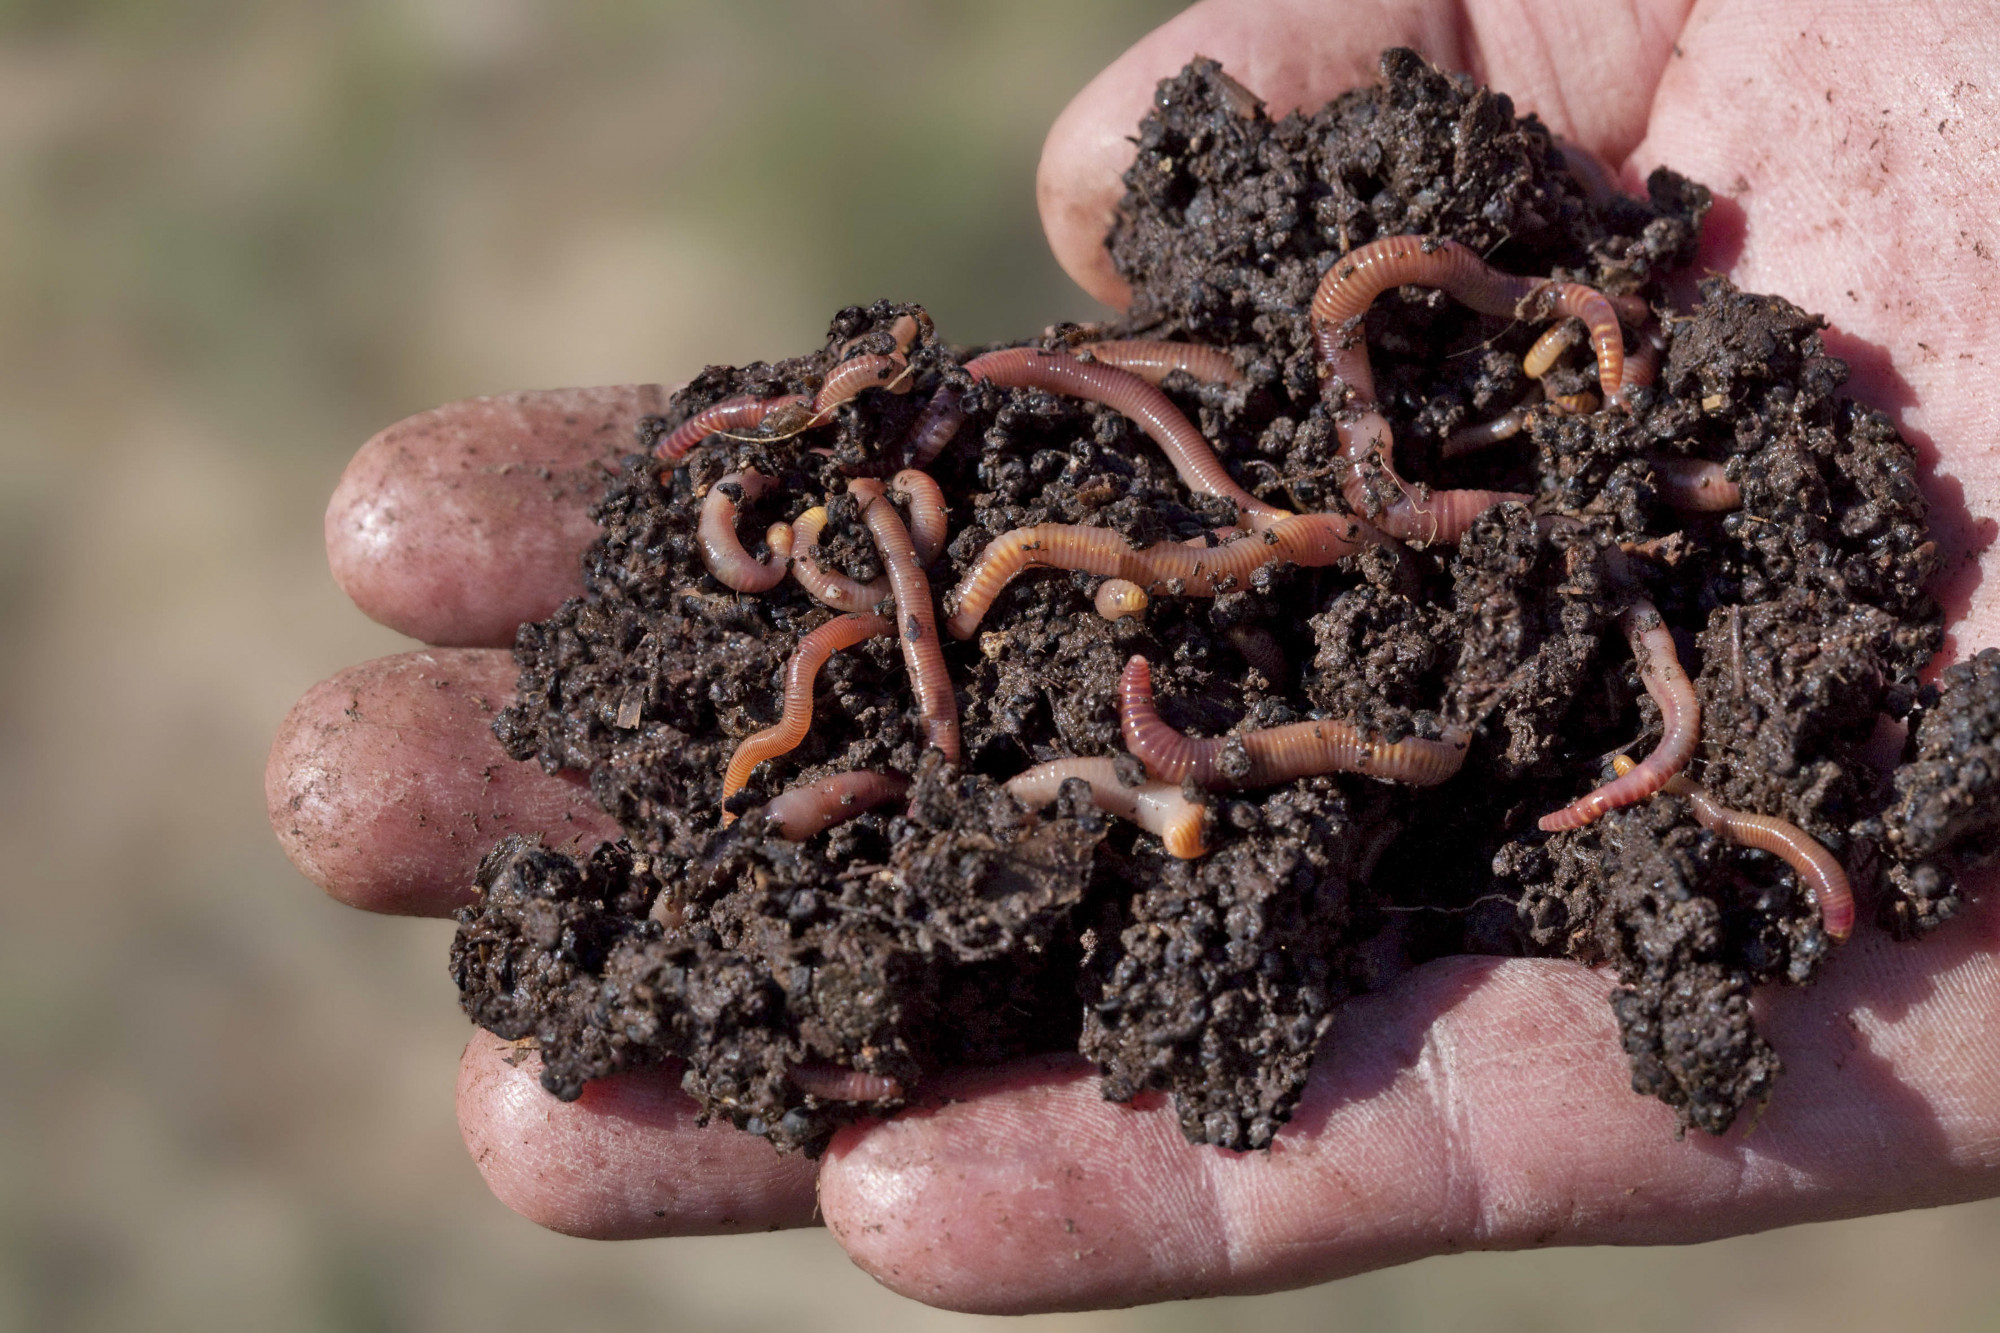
x: 964, y: 931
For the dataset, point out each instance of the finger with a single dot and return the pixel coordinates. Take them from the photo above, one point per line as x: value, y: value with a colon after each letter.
x: 1482, y: 1105
x: 456, y: 525
x: 623, y: 1161
x: 1586, y: 68
x: 386, y: 785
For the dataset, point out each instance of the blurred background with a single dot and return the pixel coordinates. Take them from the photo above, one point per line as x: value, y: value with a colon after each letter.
x: 235, y: 240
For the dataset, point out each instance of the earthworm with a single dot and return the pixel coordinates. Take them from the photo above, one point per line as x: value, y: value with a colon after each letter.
x: 837, y: 1083
x: 1680, y: 723
x: 1153, y: 359
x: 1587, y: 170
x: 835, y: 589
x: 1484, y: 435
x: 934, y: 427
x: 930, y: 523
x: 1573, y: 404
x: 740, y: 413
x: 801, y: 673
x: 1642, y: 366
x: 1695, y: 485
x: 1157, y: 807
x: 1312, y: 540
x: 853, y: 375
x: 1819, y: 869
x: 1356, y: 279
x: 723, y: 552
x: 1118, y: 598
x: 923, y: 653
x: 1559, y: 338
x: 1275, y: 754
x: 800, y: 813
x: 1259, y: 649
x: 1126, y: 393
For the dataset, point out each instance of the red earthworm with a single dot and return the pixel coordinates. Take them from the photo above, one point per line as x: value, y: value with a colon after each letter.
x: 853, y: 375
x: 1275, y: 754
x: 1126, y: 393
x: 1470, y: 439
x: 903, y: 332
x: 934, y: 427
x: 1259, y: 649
x: 731, y: 414
x: 837, y: 1083
x: 1695, y: 485
x: 1680, y: 723
x: 1356, y: 279
x: 1819, y: 869
x: 1312, y: 540
x: 923, y: 653
x: 835, y: 589
x: 930, y: 522
x: 1153, y: 359
x: 1157, y: 807
x: 1573, y: 404
x: 723, y: 552
x: 1559, y: 338
x: 1119, y: 598
x: 1587, y: 169
x: 1642, y: 366
x: 801, y: 812
x: 801, y: 672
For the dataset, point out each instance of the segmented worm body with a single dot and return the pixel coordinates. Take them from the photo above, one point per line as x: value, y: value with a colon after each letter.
x: 804, y: 811
x: 1157, y: 807
x: 934, y: 427
x: 916, y: 617
x: 1275, y: 754
x: 722, y: 551
x: 1170, y: 566
x: 833, y: 588
x: 1153, y: 359
x: 930, y: 523
x: 1680, y: 723
x: 1486, y: 434
x: 1695, y: 485
x: 837, y: 1083
x: 801, y: 674
x: 1559, y: 338
x: 1128, y: 394
x: 1119, y: 598
x: 1338, y: 307
x: 731, y: 414
x: 853, y: 375
x: 1819, y: 869
x: 1259, y: 649
x: 1642, y: 365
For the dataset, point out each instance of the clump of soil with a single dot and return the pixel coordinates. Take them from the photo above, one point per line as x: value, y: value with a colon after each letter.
x: 806, y: 984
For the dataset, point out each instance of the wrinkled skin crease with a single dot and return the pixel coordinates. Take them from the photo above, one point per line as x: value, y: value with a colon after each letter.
x: 1476, y: 1103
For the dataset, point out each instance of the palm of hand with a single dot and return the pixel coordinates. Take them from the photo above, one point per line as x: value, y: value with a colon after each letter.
x: 1479, y: 1103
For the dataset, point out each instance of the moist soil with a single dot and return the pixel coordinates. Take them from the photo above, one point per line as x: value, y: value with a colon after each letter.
x: 965, y: 929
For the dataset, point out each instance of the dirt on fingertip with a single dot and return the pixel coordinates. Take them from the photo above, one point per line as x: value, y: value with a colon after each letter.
x: 804, y: 984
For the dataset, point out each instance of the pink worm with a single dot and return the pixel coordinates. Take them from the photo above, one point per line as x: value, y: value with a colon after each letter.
x: 1117, y: 599
x: 1819, y: 869
x: 929, y: 519
x: 1695, y: 485
x: 1157, y: 807
x: 723, y: 552
x: 804, y: 811
x: 934, y: 427
x: 1276, y: 754
x: 1338, y: 307
x: 923, y: 652
x: 1171, y: 567
x: 837, y: 1083
x: 835, y: 589
x: 1680, y: 723
x: 731, y: 414
x: 1126, y: 393
x: 801, y: 673
x: 1153, y: 359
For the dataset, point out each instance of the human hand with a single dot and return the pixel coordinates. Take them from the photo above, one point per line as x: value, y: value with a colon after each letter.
x: 1477, y: 1103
